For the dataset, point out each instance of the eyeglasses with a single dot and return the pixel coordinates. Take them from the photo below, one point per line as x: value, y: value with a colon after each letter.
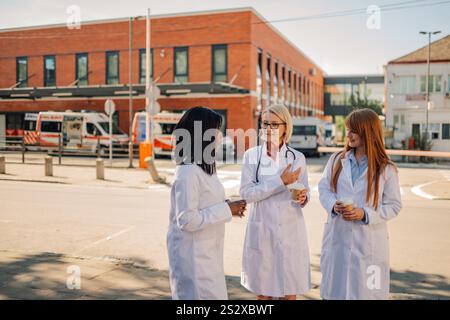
x: 272, y: 125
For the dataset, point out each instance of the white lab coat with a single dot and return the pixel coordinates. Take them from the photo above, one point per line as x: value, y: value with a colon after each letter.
x: 196, y: 235
x: 276, y: 255
x: 355, y: 256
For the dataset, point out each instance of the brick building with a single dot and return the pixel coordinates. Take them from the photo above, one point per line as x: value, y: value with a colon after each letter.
x: 229, y: 60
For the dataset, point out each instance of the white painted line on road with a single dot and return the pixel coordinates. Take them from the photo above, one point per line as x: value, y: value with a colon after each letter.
x: 105, y: 239
x: 158, y: 188
x: 417, y: 190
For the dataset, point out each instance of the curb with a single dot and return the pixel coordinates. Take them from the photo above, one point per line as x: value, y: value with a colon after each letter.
x: 147, y: 187
x: 422, y: 166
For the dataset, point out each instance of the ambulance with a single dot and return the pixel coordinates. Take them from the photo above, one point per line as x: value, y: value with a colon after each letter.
x: 163, y: 144
x: 165, y: 123
x: 31, y: 136
x: 88, y: 131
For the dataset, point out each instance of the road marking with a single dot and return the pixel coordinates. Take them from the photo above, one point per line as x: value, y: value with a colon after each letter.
x: 158, y: 188
x: 105, y: 239
x: 417, y: 190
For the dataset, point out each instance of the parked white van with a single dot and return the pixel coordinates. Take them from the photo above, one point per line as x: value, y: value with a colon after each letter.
x: 307, y: 135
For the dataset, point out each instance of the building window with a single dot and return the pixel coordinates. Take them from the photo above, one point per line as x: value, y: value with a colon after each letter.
x: 268, y: 84
x: 300, y: 89
x: 22, y: 71
x: 112, y: 67
x: 283, y: 89
x: 434, y: 131
x: 446, y: 131
x: 219, y: 63
x: 142, y: 65
x: 259, y: 91
x: 435, y: 84
x: 406, y: 85
x: 289, y: 88
x: 181, y: 64
x: 49, y: 71
x: 294, y: 88
x: 81, y: 69
x: 115, y: 119
x: 275, y: 83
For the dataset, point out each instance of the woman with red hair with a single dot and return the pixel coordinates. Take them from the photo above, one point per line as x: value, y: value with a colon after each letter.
x: 360, y: 191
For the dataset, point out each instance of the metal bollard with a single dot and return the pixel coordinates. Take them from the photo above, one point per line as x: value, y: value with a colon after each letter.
x: 48, y: 166
x: 153, y: 172
x: 2, y: 165
x: 100, y: 165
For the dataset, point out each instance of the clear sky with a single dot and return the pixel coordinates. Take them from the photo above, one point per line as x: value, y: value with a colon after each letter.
x: 339, y: 43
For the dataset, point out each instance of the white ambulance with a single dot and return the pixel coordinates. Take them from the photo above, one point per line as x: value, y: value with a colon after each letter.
x: 165, y: 123
x: 78, y: 130
x: 163, y: 144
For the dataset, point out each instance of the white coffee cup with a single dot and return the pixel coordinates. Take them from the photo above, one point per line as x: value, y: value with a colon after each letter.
x: 347, y: 203
x: 296, y: 188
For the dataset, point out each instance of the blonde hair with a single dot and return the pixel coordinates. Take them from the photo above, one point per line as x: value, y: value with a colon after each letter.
x: 283, y: 113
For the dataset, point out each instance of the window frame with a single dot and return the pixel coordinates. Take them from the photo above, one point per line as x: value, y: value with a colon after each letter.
x: 214, y: 73
x: 82, y: 54
x: 445, y: 134
x: 108, y: 54
x: 23, y: 83
x: 175, y: 71
x: 46, y: 80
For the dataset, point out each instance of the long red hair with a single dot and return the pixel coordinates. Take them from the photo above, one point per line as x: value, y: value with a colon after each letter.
x: 366, y: 124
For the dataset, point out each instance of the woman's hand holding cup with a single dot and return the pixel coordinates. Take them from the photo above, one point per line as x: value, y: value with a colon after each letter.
x: 237, y: 207
x: 298, y: 192
x: 343, y: 206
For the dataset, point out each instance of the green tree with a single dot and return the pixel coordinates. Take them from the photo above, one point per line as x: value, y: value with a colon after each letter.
x: 361, y: 100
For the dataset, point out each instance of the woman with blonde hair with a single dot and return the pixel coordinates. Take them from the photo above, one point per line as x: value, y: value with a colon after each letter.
x: 276, y: 254
x: 360, y: 192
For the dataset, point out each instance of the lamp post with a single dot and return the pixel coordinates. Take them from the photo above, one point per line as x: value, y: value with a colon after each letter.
x: 130, y: 87
x: 429, y: 33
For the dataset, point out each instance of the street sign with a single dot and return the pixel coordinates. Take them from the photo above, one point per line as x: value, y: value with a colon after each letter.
x: 156, y: 108
x: 110, y: 107
x: 153, y: 94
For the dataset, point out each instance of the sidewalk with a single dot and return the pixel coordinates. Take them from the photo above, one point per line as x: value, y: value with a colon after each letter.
x: 79, y: 175
x: 83, y: 172
x: 44, y: 276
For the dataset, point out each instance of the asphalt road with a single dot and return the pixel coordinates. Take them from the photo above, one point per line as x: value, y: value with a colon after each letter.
x: 131, y: 224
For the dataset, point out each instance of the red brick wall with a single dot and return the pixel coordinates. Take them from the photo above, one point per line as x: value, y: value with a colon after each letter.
x: 239, y: 30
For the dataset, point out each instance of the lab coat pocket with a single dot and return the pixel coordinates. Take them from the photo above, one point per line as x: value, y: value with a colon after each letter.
x: 255, y: 234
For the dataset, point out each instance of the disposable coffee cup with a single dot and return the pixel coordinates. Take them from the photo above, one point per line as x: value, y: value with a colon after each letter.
x: 348, y: 204
x: 296, y: 189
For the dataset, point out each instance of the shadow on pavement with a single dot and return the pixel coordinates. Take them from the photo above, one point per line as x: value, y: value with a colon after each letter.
x: 415, y: 285
x: 44, y: 276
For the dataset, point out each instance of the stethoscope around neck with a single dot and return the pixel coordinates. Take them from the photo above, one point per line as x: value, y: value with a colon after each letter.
x: 286, y: 155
